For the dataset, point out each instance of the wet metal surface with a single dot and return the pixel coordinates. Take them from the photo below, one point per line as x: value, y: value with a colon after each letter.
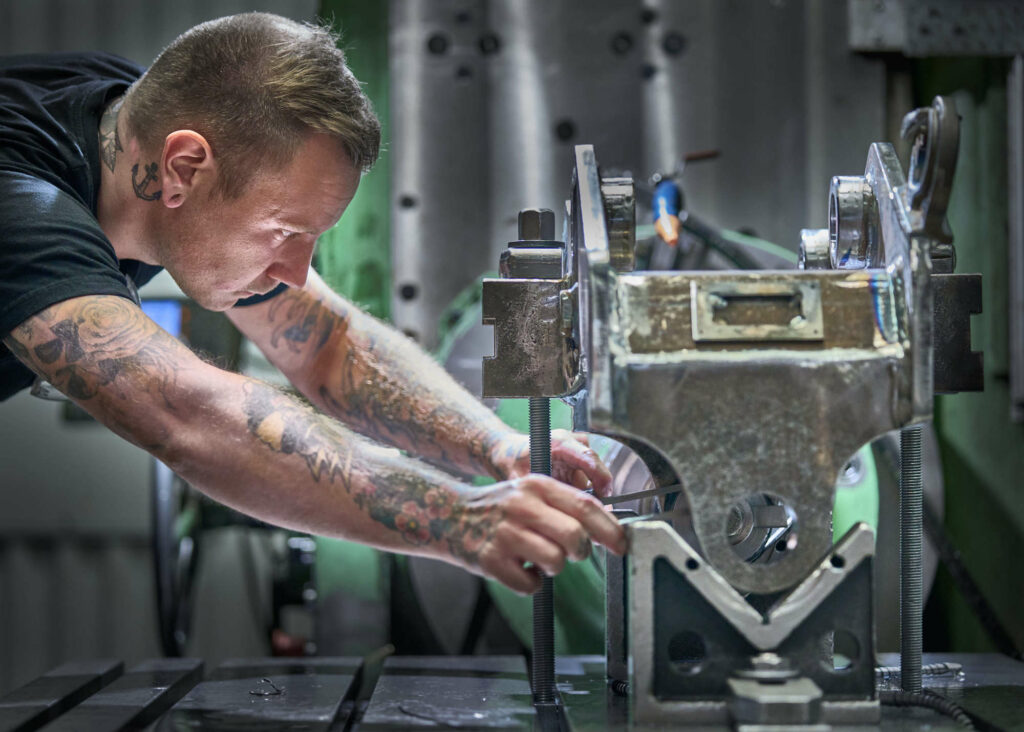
x: 135, y: 699
x: 462, y: 692
x: 267, y: 694
x: 36, y: 703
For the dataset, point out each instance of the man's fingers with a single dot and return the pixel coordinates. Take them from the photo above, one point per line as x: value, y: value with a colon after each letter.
x: 580, y: 480
x: 535, y: 515
x: 572, y: 453
x: 533, y: 547
x: 600, y: 525
x: 511, y: 573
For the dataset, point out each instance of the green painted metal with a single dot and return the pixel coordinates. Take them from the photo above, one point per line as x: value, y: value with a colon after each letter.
x: 857, y: 502
x: 354, y: 257
x: 982, y: 449
x: 357, y: 570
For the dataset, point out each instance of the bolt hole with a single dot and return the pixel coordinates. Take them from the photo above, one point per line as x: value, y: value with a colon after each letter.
x: 410, y: 333
x: 489, y: 44
x: 686, y: 653
x: 692, y: 564
x: 673, y: 43
x: 841, y: 651
x: 622, y: 43
x: 648, y: 16
x: 648, y: 71
x: 463, y: 73
x: 408, y: 291
x: 407, y: 201
x: 463, y: 17
x: 565, y: 130
x: 837, y: 561
x: 437, y: 44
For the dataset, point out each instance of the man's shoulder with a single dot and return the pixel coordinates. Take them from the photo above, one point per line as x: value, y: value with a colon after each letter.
x: 67, y: 66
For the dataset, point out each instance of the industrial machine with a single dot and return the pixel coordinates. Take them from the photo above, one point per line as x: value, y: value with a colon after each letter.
x: 746, y: 393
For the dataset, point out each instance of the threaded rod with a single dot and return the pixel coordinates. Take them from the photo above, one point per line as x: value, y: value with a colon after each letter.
x: 911, y: 588
x: 543, y: 665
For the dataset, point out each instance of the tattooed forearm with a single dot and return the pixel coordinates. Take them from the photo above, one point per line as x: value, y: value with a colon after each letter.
x: 420, y: 504
x: 110, y: 139
x: 141, y: 186
x: 300, y: 320
x: 98, y: 343
x: 286, y: 426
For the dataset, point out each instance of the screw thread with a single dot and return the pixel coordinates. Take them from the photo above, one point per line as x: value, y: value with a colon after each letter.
x: 543, y: 660
x: 911, y: 586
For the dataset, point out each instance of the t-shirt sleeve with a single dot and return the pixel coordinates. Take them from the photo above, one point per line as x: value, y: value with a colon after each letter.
x: 51, y: 249
x: 257, y: 299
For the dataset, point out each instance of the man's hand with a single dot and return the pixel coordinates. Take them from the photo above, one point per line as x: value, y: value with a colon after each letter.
x: 572, y: 460
x: 502, y: 528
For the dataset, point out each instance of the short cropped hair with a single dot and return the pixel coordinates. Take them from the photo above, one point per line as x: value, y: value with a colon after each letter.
x: 254, y: 85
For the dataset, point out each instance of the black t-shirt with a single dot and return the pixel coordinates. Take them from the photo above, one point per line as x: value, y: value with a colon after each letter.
x: 51, y: 245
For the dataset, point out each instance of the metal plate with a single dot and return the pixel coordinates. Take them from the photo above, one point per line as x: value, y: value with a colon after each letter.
x: 484, y: 692
x: 311, y: 695
x: 135, y: 699
x: 39, y: 701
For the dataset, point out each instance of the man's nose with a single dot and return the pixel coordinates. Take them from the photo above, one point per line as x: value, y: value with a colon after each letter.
x: 292, y: 267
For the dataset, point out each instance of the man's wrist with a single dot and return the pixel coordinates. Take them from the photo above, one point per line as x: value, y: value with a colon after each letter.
x: 506, y: 449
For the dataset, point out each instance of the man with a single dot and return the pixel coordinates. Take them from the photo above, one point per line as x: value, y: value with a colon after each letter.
x: 223, y: 163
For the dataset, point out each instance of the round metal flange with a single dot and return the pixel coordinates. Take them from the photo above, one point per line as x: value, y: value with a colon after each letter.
x: 814, y: 249
x: 619, y: 197
x: 852, y: 232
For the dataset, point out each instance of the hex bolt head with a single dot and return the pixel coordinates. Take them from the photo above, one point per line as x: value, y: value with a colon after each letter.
x: 536, y: 224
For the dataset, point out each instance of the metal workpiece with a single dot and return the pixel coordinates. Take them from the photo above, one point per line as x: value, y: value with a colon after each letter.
x: 695, y: 640
x: 619, y: 196
x: 813, y: 252
x: 853, y: 223
x: 934, y: 133
x: 906, y: 256
x: 756, y: 397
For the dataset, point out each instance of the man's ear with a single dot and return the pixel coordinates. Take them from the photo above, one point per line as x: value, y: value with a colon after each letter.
x: 187, y: 164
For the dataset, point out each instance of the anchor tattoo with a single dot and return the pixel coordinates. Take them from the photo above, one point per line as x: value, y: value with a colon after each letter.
x: 140, y: 185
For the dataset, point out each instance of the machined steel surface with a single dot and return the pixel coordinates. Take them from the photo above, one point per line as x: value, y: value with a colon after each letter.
x: 267, y: 694
x: 47, y: 697
x: 135, y: 699
x: 487, y: 692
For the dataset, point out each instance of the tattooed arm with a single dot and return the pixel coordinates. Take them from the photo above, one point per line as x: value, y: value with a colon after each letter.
x: 360, y: 370
x: 265, y: 453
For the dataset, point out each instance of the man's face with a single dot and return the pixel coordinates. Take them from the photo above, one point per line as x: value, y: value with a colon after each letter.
x: 220, y: 251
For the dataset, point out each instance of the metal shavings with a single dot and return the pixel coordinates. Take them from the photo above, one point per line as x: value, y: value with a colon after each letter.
x: 263, y: 692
